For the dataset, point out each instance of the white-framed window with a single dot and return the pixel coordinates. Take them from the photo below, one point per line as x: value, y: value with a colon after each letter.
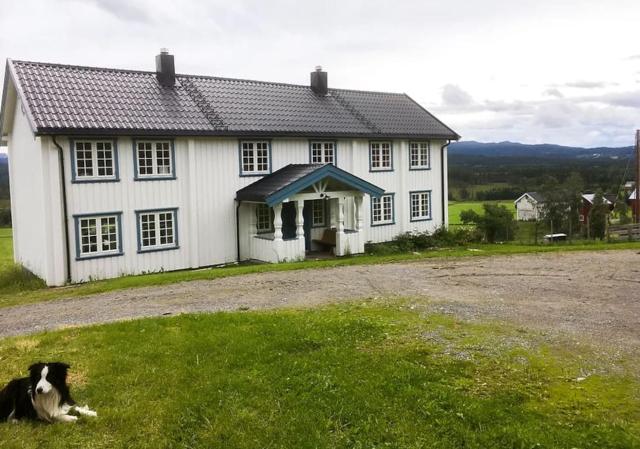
x: 419, y: 155
x: 420, y: 205
x: 254, y: 157
x: 318, y: 212
x: 323, y: 153
x: 98, y: 235
x: 94, y: 160
x: 154, y: 159
x: 264, y: 218
x: 382, y: 210
x: 380, y: 156
x: 157, y: 230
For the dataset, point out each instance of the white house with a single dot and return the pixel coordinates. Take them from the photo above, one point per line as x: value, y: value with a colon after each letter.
x: 529, y: 206
x: 119, y: 172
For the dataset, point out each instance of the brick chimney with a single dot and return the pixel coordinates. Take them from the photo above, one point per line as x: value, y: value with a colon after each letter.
x: 319, y: 82
x: 165, y: 68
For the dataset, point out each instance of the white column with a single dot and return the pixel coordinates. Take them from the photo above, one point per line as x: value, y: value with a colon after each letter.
x: 299, y: 220
x: 253, y: 220
x: 277, y: 222
x: 340, y: 225
x: 358, y: 212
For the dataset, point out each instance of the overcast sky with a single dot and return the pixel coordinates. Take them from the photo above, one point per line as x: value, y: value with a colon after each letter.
x: 555, y: 71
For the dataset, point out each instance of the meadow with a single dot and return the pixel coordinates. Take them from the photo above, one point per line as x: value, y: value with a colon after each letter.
x: 367, y: 375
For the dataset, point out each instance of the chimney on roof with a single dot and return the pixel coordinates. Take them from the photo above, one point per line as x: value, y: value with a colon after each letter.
x: 319, y: 82
x: 165, y: 68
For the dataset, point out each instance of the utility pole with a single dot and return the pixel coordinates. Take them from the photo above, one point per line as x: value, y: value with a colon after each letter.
x: 637, y: 201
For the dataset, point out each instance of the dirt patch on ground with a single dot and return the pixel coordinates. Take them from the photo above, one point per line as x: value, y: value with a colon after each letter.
x: 593, y: 295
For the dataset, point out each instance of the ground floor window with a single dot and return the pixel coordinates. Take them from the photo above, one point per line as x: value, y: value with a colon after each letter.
x: 98, y: 235
x: 382, y: 210
x: 157, y: 230
x: 264, y: 219
x: 319, y: 212
x: 420, y: 205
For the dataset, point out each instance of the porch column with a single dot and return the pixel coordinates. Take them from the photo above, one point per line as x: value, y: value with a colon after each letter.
x: 277, y: 222
x: 340, y: 226
x: 299, y: 220
x: 358, y: 210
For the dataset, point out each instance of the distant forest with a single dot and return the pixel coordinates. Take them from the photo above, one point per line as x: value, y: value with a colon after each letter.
x: 492, y: 172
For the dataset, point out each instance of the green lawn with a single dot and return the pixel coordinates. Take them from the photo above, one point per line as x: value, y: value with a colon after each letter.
x: 18, y: 287
x: 455, y: 207
x: 367, y: 375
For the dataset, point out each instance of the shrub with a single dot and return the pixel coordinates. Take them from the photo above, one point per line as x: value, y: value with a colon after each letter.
x: 419, y: 241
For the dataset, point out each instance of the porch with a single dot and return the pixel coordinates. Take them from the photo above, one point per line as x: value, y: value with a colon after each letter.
x: 300, y: 209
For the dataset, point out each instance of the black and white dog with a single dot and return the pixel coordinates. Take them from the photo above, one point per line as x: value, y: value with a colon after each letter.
x: 43, y: 395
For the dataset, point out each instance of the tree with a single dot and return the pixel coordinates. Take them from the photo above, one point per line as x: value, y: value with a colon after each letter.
x: 497, y: 222
x: 572, y: 188
x: 598, y: 216
x: 621, y: 208
x: 554, y: 208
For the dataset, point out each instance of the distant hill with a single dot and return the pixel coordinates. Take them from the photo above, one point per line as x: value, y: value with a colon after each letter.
x: 521, y: 150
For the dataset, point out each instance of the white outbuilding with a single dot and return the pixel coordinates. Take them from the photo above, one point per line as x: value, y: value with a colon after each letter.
x: 529, y: 206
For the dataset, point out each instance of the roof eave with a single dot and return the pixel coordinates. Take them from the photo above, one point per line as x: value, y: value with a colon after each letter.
x: 10, y: 74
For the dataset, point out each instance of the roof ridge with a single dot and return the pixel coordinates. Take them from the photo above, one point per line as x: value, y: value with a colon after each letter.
x: 357, y: 114
x: 204, y: 105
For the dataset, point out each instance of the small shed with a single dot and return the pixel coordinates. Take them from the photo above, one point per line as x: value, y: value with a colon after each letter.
x: 529, y: 206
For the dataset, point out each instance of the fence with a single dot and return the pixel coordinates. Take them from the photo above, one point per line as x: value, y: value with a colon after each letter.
x: 624, y: 232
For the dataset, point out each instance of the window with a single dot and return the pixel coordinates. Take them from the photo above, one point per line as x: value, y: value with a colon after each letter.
x: 264, y: 218
x: 419, y: 155
x: 94, y: 160
x: 318, y: 210
x: 157, y: 230
x: 323, y: 153
x: 382, y: 210
x: 380, y: 157
x: 154, y: 159
x: 98, y: 235
x: 255, y: 157
x: 420, y: 205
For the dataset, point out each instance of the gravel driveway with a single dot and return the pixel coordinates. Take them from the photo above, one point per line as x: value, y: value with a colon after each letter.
x: 591, y: 294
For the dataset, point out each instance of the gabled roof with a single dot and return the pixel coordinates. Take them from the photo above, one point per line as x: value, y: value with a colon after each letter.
x: 535, y: 196
x: 289, y: 180
x: 589, y: 197
x: 64, y: 99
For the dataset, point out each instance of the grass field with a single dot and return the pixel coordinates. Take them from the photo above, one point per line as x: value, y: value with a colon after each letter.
x: 370, y: 375
x: 455, y: 207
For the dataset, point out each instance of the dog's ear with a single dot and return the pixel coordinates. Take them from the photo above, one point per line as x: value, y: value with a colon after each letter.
x: 35, y: 366
x: 63, y: 367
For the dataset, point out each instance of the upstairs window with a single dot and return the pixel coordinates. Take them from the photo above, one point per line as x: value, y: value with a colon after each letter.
x: 98, y: 235
x: 420, y: 205
x: 255, y: 157
x: 157, y: 230
x: 264, y: 218
x: 94, y: 161
x: 154, y: 159
x: 323, y: 153
x: 380, y: 156
x: 419, y: 155
x: 382, y: 210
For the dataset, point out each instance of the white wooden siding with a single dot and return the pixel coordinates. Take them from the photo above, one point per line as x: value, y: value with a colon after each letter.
x: 207, y: 178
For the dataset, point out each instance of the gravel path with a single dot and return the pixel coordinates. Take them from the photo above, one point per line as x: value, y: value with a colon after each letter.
x: 592, y: 294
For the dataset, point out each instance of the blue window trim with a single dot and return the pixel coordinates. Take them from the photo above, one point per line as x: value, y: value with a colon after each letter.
x: 428, y: 155
x: 176, y: 240
x: 136, y: 176
x: 76, y: 221
x: 250, y: 175
x: 335, y: 149
x: 381, y: 170
x: 430, y: 206
x: 393, y: 210
x: 93, y: 180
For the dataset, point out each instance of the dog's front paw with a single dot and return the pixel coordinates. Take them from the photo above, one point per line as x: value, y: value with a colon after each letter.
x: 67, y: 418
x: 86, y: 411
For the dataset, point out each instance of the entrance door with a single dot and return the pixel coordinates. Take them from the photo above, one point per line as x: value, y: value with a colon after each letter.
x: 307, y: 215
x: 289, y: 220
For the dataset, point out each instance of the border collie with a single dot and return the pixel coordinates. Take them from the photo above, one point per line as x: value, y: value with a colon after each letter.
x: 43, y: 395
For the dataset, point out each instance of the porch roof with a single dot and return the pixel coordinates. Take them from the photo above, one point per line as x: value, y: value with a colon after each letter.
x: 289, y: 180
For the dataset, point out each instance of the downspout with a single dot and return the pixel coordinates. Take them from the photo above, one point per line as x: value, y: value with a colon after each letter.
x: 239, y: 202
x: 64, y: 207
x: 442, y: 183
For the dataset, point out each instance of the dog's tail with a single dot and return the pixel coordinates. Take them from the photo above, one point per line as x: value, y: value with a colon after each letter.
x: 8, y: 397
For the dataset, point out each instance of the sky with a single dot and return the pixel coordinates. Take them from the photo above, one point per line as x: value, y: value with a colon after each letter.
x: 539, y: 71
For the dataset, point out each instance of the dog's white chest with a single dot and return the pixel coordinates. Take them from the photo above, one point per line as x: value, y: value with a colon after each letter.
x: 47, y: 406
